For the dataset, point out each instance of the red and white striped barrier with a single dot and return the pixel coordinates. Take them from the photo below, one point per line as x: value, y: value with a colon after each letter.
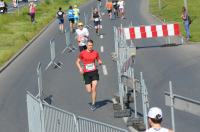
x: 152, y: 31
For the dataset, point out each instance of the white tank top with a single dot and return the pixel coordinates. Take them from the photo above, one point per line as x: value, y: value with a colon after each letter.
x: 121, y: 4
x: 157, y: 130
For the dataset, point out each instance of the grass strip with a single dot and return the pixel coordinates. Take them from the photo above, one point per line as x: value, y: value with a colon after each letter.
x: 16, y: 29
x: 170, y: 11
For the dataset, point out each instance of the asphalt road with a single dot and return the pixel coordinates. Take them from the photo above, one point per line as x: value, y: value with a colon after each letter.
x: 159, y: 65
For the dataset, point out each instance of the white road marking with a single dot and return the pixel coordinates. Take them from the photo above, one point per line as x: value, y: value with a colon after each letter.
x: 104, y: 70
x: 102, y: 49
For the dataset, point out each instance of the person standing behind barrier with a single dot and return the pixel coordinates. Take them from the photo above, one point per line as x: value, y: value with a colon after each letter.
x: 32, y: 11
x: 109, y: 7
x: 186, y: 23
x: 155, y: 117
x: 60, y: 17
x: 121, y: 8
x: 96, y: 17
x: 14, y: 3
x: 3, y: 6
x: 89, y: 70
x: 70, y: 14
x: 82, y: 35
x: 76, y: 14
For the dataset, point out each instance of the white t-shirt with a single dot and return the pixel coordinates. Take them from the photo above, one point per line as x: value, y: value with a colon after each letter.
x: 2, y: 4
x: 162, y: 129
x: 121, y: 4
x: 81, y: 34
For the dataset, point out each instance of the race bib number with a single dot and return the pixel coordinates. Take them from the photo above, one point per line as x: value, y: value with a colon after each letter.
x: 90, y: 67
x: 96, y: 19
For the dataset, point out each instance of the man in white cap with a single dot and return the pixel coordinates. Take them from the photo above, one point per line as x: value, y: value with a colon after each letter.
x: 154, y: 119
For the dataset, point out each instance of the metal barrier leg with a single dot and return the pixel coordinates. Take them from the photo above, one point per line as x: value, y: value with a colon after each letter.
x: 53, y: 56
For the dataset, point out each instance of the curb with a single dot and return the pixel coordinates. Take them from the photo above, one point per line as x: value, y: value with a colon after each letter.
x: 25, y: 47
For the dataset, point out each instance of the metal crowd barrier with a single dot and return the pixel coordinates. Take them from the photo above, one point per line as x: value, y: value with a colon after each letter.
x: 180, y: 103
x: 53, y: 56
x: 124, y: 55
x: 43, y: 117
x: 69, y: 46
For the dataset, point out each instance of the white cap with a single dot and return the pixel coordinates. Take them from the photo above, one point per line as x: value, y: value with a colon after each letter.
x: 154, y: 111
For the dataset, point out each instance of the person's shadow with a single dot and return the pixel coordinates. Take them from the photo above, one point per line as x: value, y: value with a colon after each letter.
x: 102, y: 103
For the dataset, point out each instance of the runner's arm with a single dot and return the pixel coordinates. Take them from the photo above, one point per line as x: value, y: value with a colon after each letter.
x: 78, y: 65
x: 86, y: 33
x: 99, y: 59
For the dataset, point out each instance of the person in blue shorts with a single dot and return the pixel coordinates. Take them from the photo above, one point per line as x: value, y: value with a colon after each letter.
x: 60, y: 17
x: 70, y: 14
x: 76, y: 14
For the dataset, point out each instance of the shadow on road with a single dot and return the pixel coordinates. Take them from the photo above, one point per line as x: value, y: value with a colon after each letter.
x: 103, y: 103
x: 158, y: 46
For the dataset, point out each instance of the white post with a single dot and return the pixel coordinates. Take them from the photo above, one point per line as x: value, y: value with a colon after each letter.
x: 39, y: 75
x: 172, y: 105
x: 143, y: 100
x: 186, y: 5
x: 159, y: 4
x: 134, y: 92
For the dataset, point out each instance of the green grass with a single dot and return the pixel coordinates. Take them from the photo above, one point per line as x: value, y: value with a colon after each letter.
x: 171, y: 12
x: 16, y: 30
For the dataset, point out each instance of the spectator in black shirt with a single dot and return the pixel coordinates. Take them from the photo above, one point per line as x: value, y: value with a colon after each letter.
x: 60, y: 17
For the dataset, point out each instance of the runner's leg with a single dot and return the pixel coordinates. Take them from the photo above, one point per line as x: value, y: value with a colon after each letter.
x: 93, y: 90
x: 88, y: 88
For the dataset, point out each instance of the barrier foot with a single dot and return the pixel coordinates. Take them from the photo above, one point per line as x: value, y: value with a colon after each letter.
x: 126, y: 99
x: 137, y: 123
x: 70, y: 49
x: 117, y: 106
x: 122, y: 113
x: 50, y: 63
x: 58, y: 64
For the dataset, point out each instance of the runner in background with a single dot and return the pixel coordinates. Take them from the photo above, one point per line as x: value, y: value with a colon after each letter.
x: 76, y: 14
x: 60, y: 17
x: 121, y: 8
x: 15, y: 3
x: 115, y: 8
x: 89, y: 71
x: 70, y: 14
x: 109, y: 7
x: 96, y: 17
x: 99, y: 3
x: 82, y: 35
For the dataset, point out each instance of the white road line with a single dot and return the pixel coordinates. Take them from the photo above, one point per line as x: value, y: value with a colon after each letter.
x: 102, y: 49
x: 104, y: 70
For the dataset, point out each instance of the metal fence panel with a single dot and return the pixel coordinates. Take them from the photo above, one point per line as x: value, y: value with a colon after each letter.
x: 34, y: 114
x: 88, y: 125
x: 183, y: 104
x: 57, y: 120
